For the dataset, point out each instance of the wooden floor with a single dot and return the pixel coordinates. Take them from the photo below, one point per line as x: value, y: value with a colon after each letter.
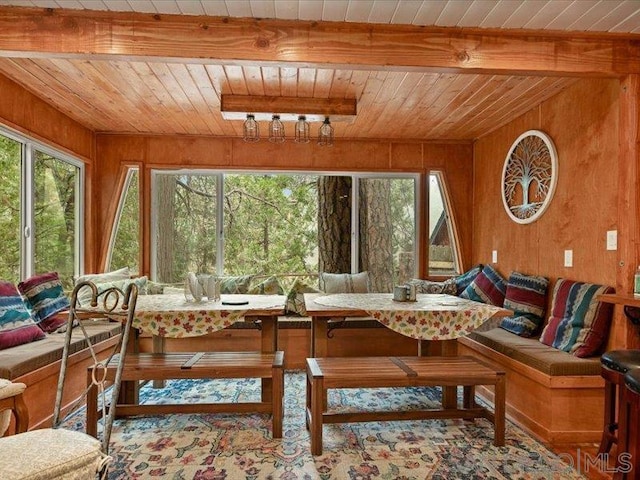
x: 585, y: 465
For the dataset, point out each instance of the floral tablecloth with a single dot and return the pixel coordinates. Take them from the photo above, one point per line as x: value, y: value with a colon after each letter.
x: 430, y: 317
x: 174, y: 316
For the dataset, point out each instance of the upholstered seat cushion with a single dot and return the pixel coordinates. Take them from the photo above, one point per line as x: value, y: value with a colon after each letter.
x: 50, y: 454
x: 22, y: 359
x: 531, y: 352
x: 621, y: 360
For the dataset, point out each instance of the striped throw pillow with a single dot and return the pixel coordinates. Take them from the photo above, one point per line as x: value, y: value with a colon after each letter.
x: 527, y: 297
x: 45, y: 297
x: 463, y: 280
x: 579, y: 323
x: 488, y: 287
x: 17, y: 327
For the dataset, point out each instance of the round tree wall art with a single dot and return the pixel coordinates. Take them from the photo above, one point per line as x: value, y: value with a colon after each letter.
x: 529, y: 176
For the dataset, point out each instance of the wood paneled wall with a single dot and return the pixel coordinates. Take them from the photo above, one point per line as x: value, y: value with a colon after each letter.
x: 583, y: 123
x: 115, y: 152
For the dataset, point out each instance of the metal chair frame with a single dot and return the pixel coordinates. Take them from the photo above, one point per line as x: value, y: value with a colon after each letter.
x: 114, y: 304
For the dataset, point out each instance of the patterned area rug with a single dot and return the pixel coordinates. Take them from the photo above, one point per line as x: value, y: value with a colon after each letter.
x: 227, y: 446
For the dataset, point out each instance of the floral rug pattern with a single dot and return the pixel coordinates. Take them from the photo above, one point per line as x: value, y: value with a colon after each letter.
x: 234, y: 447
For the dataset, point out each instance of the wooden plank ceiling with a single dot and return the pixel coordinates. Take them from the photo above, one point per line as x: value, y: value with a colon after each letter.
x: 153, y: 96
x: 177, y: 98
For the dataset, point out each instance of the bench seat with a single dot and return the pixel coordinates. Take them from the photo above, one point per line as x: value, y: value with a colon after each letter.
x: 37, y: 365
x: 20, y: 360
x: 384, y: 372
x: 194, y: 365
x: 555, y: 396
x: 531, y: 352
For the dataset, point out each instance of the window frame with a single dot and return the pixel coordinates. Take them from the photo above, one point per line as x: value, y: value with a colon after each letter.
x: 27, y: 198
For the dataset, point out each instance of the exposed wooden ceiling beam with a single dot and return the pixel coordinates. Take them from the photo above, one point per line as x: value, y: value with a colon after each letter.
x: 236, y: 107
x: 29, y: 32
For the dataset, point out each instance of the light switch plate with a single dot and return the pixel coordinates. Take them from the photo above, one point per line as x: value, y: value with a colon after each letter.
x: 494, y: 256
x: 568, y: 258
x: 612, y: 240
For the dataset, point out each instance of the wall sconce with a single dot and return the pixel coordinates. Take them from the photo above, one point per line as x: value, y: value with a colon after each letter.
x: 276, y: 130
x: 251, y: 130
x: 325, y: 133
x: 301, y: 130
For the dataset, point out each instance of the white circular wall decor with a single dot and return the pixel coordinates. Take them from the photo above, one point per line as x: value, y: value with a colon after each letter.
x: 529, y: 176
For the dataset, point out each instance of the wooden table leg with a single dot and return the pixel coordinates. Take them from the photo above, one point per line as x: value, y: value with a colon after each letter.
x: 269, y: 344
x: 499, y: 411
x: 442, y: 348
x: 319, y: 340
x: 158, y: 346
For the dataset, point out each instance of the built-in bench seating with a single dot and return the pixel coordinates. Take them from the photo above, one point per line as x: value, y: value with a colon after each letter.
x: 554, y: 395
x: 37, y: 365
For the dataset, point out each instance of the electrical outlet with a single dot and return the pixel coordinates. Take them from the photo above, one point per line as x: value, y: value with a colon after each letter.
x: 494, y: 256
x: 568, y: 258
x: 612, y: 240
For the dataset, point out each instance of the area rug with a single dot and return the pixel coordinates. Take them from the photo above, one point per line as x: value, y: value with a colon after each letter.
x: 230, y: 446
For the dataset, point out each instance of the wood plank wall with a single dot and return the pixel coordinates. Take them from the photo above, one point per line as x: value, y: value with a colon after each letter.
x: 115, y: 152
x: 583, y: 123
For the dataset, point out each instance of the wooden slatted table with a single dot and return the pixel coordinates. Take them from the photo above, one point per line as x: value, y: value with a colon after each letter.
x: 384, y: 372
x: 165, y: 366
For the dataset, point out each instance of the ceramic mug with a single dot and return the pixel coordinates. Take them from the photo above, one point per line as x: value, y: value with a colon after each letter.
x: 400, y: 293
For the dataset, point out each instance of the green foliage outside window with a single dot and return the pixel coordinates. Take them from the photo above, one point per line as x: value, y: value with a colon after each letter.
x: 10, y: 165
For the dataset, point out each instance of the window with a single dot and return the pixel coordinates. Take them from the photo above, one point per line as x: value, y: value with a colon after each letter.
x: 41, y: 210
x: 283, y: 224
x: 442, y: 249
x: 10, y: 188
x: 185, y: 217
x: 125, y: 244
x: 387, y: 231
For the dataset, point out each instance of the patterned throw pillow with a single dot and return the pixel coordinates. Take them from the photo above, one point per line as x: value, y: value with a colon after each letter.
x: 17, y: 327
x: 239, y: 284
x: 527, y: 297
x: 448, y: 287
x: 345, y: 282
x: 267, y: 286
x: 579, y: 323
x: 488, y: 287
x: 295, y: 298
x: 464, y: 280
x: 45, y: 297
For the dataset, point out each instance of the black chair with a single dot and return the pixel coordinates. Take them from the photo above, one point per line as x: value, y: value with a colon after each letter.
x: 632, y: 438
x: 615, y: 364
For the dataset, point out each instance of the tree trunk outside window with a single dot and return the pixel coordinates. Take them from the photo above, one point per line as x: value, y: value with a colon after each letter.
x: 376, y: 251
x: 334, y: 224
x: 166, y: 185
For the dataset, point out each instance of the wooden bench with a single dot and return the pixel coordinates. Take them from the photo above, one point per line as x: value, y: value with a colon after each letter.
x: 165, y: 366
x: 384, y: 372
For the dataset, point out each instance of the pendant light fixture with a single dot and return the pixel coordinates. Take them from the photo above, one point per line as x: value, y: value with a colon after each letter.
x: 276, y: 130
x: 251, y: 130
x: 325, y: 133
x: 301, y: 130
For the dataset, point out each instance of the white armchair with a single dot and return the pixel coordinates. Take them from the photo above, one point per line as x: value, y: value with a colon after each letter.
x: 44, y: 454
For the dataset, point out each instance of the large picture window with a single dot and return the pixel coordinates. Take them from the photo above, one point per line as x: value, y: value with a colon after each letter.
x: 40, y: 210
x: 288, y: 224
